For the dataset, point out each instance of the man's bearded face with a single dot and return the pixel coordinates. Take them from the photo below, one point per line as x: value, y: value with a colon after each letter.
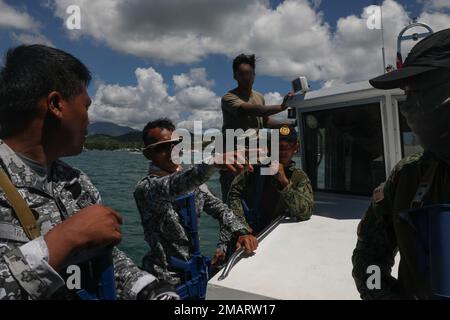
x: 427, y: 111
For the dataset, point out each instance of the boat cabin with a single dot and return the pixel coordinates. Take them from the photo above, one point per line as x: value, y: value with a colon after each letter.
x: 351, y: 137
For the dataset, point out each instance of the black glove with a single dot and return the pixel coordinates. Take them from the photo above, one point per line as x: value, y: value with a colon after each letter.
x: 158, y: 290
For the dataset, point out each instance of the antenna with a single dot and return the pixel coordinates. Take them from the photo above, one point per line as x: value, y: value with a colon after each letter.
x: 382, y: 39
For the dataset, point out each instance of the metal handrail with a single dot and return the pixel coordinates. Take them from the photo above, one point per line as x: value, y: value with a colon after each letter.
x: 235, y: 257
x: 415, y: 36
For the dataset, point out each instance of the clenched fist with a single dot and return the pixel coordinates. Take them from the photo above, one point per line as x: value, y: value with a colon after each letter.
x: 93, y: 227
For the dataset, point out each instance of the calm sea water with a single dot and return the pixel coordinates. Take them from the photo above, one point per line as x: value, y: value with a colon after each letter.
x: 115, y: 174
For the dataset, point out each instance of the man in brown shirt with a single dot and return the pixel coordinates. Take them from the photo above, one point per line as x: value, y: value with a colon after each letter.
x: 243, y: 108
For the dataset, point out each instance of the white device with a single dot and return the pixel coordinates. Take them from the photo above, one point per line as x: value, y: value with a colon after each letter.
x: 300, y: 85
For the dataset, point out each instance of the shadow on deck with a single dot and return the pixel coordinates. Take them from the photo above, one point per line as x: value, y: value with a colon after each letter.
x: 339, y: 206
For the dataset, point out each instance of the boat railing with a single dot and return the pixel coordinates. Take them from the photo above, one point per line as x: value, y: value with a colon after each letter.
x: 415, y: 36
x: 236, y: 256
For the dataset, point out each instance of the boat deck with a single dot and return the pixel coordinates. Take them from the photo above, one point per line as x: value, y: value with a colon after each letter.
x: 301, y: 260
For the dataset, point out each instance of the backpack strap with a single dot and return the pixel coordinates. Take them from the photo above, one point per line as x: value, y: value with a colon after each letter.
x: 21, y: 208
x: 424, y: 185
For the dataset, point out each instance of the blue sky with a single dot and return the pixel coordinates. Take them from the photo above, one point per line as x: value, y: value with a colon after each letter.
x: 112, y: 65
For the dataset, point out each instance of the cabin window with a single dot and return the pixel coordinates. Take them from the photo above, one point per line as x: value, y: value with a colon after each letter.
x: 343, y: 149
x: 410, y: 142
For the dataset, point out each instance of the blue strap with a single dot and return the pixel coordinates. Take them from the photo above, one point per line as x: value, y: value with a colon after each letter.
x: 101, y: 284
x: 431, y: 224
x: 253, y: 215
x: 198, y: 268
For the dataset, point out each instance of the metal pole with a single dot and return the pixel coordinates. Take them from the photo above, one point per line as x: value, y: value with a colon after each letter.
x: 382, y: 40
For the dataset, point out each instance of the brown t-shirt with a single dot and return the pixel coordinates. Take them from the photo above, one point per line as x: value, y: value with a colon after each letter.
x: 233, y: 118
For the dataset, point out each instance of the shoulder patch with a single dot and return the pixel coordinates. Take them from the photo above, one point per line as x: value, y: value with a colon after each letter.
x: 408, y: 160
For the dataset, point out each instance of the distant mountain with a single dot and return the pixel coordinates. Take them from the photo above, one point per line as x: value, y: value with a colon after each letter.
x: 109, y: 128
x: 130, y: 140
x: 135, y: 136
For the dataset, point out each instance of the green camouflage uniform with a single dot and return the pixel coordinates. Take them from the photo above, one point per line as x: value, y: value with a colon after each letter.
x: 24, y: 269
x: 295, y: 200
x: 382, y: 233
x: 155, y: 196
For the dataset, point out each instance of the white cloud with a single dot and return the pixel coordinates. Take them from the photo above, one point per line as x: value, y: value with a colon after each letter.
x: 12, y: 18
x: 196, y: 76
x: 290, y: 40
x: 316, y: 4
x: 286, y: 39
x: 433, y: 5
x: 27, y: 38
x: 359, y: 48
x: 275, y: 98
x: 173, y: 31
x: 149, y: 99
x: 437, y: 20
x: 136, y: 105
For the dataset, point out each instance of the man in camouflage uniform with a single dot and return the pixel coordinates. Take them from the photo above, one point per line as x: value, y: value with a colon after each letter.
x: 288, y: 192
x: 383, y: 231
x: 43, y: 116
x: 155, y: 196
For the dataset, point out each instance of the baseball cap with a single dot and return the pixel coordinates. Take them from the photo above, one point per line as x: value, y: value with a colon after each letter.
x: 287, y: 133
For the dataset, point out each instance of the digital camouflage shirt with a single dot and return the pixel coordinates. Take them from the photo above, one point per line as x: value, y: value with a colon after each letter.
x: 24, y: 269
x: 155, y: 196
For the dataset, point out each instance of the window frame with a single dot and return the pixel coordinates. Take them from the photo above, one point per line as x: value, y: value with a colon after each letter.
x: 385, y: 116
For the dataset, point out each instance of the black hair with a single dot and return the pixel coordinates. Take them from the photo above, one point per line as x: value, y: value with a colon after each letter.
x: 30, y: 73
x: 163, y: 123
x: 243, y: 58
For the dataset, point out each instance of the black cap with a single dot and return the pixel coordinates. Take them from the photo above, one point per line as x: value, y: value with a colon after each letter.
x: 431, y: 53
x: 288, y: 133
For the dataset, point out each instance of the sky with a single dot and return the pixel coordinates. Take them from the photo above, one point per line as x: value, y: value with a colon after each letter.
x: 172, y: 58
